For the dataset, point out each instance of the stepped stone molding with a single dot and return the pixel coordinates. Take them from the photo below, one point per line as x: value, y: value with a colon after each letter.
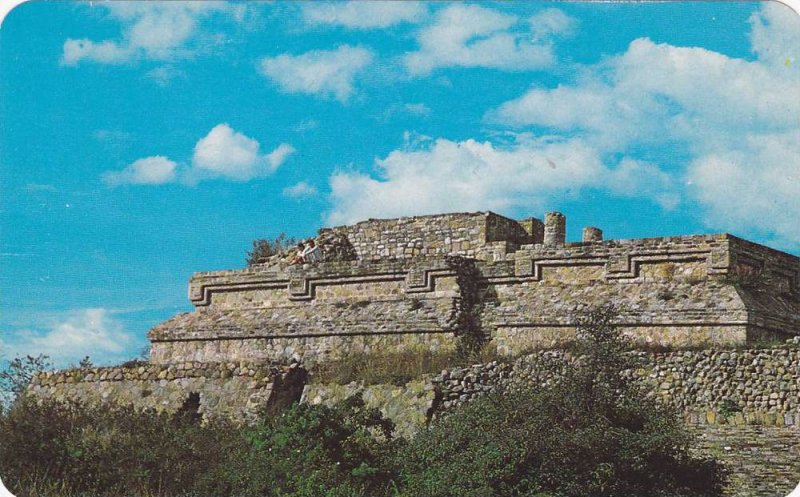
x: 679, y: 291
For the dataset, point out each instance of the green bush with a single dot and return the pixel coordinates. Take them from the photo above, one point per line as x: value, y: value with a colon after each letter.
x: 310, y: 451
x: 57, y: 450
x: 16, y: 376
x: 263, y: 248
x: 394, y: 367
x: 591, y: 433
x: 101, y: 451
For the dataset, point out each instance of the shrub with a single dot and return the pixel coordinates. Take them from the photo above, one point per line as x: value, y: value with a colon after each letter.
x: 264, y: 249
x: 591, y: 433
x: 14, y: 379
x: 68, y: 450
x: 311, y: 451
x: 101, y: 451
x: 394, y: 367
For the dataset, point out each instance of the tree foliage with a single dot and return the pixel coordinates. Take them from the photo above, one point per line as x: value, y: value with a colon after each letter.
x: 590, y: 433
x: 264, y: 248
x: 14, y: 379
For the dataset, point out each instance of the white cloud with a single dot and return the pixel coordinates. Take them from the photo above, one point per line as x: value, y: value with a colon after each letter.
x: 222, y: 153
x: 430, y: 176
x: 633, y: 178
x: 150, y: 30
x: 552, y: 22
x: 419, y: 109
x: 735, y: 122
x: 473, y: 36
x: 299, y: 190
x: 657, y: 92
x: 363, y: 15
x: 226, y: 152
x: 775, y: 35
x: 72, y: 336
x: 328, y: 73
x: 279, y: 155
x: 163, y: 75
x: 755, y: 187
x: 230, y: 154
x: 104, y: 52
x: 155, y: 170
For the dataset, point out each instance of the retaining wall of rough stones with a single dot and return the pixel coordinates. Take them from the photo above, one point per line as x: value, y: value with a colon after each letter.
x: 237, y: 391
x: 410, y: 406
x: 743, y: 405
x: 739, y: 387
x: 762, y: 461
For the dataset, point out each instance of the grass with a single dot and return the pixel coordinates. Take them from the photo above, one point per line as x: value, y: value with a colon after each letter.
x: 395, y: 367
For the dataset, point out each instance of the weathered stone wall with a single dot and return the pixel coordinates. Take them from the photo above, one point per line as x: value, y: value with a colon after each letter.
x: 410, y: 406
x: 458, y: 233
x: 307, y: 349
x: 740, y: 387
x: 234, y: 390
x: 691, y: 292
x: 763, y: 461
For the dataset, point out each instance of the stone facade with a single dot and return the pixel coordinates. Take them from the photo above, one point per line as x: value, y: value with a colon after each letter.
x: 734, y: 387
x: 394, y: 287
x: 234, y: 390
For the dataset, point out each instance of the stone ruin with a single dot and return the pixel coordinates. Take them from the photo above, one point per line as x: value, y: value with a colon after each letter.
x: 395, y: 284
x: 389, y: 284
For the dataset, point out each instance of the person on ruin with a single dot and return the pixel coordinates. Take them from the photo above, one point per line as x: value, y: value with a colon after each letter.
x: 299, y: 257
x: 312, y: 254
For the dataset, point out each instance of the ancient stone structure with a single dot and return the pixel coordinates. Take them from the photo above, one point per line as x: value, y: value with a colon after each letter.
x: 235, y: 390
x: 396, y: 287
x: 401, y: 283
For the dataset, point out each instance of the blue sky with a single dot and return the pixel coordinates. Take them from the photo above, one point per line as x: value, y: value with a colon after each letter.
x: 143, y: 141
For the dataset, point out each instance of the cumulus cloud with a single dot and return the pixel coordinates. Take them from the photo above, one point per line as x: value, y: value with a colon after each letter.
x: 327, y: 73
x: 73, y: 335
x: 299, y: 190
x: 552, y: 22
x: 753, y: 187
x: 775, y: 35
x: 472, y: 36
x: 429, y: 176
x: 222, y: 153
x: 656, y: 92
x: 735, y: 122
x: 150, y: 30
x: 226, y: 153
x: 363, y: 15
x: 155, y: 170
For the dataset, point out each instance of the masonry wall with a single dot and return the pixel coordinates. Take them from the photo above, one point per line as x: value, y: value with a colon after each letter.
x: 238, y: 390
x: 744, y: 404
x: 311, y: 314
x: 457, y: 233
x: 684, y: 292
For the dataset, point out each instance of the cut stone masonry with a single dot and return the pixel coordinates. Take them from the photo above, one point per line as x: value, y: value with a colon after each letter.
x: 685, y: 291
